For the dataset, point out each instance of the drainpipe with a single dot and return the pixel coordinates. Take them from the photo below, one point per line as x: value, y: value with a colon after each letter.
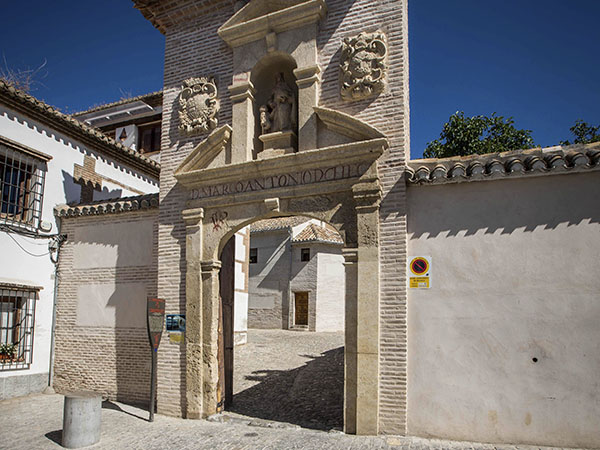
x: 57, y: 241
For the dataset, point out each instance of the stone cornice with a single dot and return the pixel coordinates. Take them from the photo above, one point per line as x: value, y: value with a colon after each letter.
x: 514, y: 164
x: 46, y: 114
x: 331, y: 156
x: 238, y: 31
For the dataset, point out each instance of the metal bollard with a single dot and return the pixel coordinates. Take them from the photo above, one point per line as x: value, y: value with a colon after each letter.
x: 82, y: 417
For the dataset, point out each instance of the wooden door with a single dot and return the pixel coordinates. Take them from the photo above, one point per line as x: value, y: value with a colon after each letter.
x: 301, y: 308
x: 226, y: 312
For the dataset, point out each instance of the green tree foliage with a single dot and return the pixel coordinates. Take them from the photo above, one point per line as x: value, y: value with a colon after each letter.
x: 584, y: 133
x: 478, y: 135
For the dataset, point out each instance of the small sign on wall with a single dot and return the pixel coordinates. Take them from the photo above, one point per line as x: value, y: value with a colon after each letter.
x: 176, y: 322
x: 419, y: 272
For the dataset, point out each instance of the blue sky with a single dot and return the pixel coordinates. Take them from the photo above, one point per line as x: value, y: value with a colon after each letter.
x: 535, y: 60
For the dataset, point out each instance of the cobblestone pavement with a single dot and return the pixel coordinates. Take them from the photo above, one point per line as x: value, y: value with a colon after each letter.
x: 292, y: 377
x: 35, y: 422
x: 287, y: 385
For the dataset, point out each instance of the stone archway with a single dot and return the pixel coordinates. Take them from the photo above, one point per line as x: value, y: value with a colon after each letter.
x: 339, y: 185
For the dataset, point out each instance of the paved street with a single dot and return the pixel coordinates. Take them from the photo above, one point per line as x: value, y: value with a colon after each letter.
x: 293, y: 377
x: 35, y: 422
x: 288, y: 394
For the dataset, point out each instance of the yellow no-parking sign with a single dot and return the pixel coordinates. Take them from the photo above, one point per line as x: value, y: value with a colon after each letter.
x: 419, y: 272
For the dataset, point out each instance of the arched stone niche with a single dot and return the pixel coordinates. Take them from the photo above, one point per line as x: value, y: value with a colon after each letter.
x: 264, y: 76
x: 261, y: 34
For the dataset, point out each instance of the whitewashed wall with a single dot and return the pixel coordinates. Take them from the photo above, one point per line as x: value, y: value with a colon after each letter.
x: 504, y: 347
x: 331, y: 292
x: 303, y: 278
x: 59, y: 188
x: 269, y: 279
x: 240, y: 293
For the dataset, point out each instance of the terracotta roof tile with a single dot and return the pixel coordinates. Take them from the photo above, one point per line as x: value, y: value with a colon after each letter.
x: 38, y: 110
x: 110, y: 206
x: 277, y: 223
x: 315, y: 233
x: 537, y: 161
x: 153, y: 97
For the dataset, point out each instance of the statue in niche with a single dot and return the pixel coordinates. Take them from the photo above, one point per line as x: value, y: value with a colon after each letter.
x: 279, y: 114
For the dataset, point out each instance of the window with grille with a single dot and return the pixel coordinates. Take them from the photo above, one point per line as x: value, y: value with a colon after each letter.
x: 17, y: 321
x: 21, y: 187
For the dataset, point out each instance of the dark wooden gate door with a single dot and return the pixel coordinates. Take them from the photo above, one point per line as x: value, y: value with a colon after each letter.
x: 301, y: 308
x: 226, y: 285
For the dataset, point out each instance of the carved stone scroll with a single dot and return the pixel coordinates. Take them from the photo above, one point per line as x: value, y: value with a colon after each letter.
x: 363, y: 67
x: 199, y: 105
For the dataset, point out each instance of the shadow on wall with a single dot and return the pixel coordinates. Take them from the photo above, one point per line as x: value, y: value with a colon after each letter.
x: 73, y: 191
x: 169, y: 217
x: 311, y: 396
x: 503, y: 205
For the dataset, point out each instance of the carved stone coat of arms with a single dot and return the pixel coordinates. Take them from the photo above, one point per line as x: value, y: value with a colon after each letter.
x: 199, y: 105
x: 363, y: 66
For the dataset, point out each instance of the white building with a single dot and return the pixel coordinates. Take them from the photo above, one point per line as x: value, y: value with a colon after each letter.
x: 296, y: 275
x: 46, y: 158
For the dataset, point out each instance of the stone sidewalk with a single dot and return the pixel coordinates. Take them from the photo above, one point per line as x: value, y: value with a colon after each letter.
x: 35, y: 422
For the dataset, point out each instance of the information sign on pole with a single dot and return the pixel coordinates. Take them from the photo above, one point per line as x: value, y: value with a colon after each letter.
x: 156, y: 320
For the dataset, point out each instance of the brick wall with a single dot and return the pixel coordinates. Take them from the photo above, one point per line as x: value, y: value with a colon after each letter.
x: 190, y: 51
x: 194, y: 49
x: 111, y: 360
x: 389, y: 112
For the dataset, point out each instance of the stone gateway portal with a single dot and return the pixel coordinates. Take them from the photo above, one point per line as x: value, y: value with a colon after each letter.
x: 281, y: 138
x: 463, y: 317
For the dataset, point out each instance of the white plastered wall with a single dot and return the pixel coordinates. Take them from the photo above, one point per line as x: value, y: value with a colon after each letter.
x: 240, y: 294
x: 504, y: 346
x: 18, y: 266
x: 331, y: 289
x: 269, y: 279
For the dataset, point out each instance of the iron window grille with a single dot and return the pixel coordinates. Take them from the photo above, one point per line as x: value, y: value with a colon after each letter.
x: 17, y: 323
x: 21, y: 188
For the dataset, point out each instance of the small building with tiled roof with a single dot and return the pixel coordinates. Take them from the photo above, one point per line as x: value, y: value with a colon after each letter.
x: 296, y: 275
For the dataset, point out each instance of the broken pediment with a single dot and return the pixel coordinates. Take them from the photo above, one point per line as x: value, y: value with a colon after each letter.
x: 261, y: 17
x: 211, y: 152
x: 337, y: 128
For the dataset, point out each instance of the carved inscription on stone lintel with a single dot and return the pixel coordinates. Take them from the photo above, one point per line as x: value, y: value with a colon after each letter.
x: 299, y: 178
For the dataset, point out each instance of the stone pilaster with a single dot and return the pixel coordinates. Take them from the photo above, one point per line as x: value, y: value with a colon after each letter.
x: 350, y: 340
x: 242, y: 97
x: 210, y: 334
x: 367, y: 196
x: 193, y: 290
x: 307, y: 79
